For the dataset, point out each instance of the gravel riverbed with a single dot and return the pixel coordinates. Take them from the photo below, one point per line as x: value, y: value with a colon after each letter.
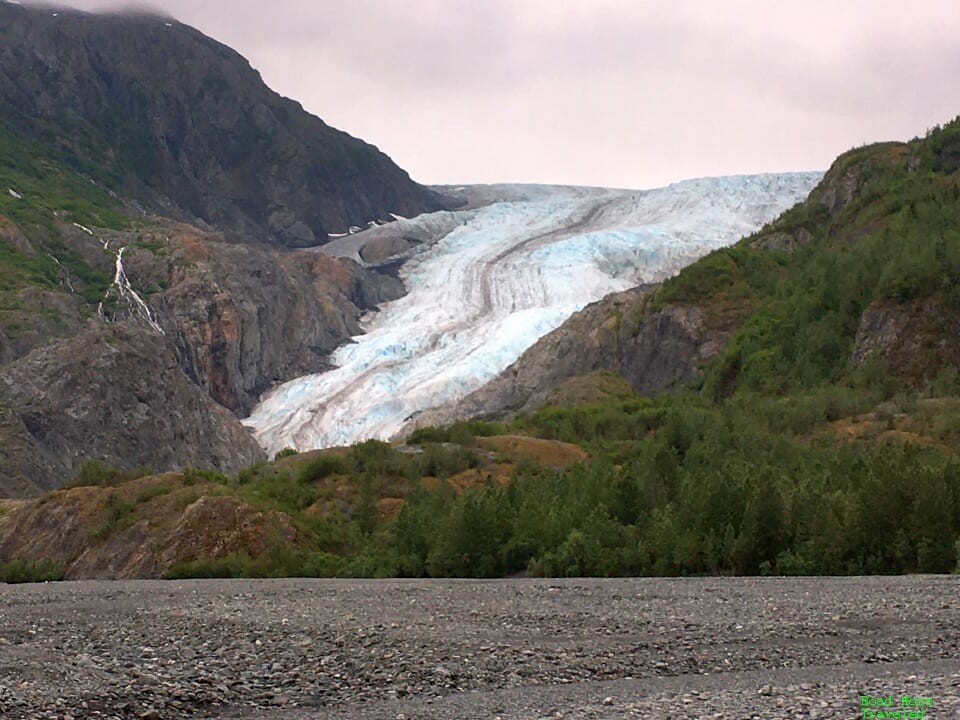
x: 718, y: 648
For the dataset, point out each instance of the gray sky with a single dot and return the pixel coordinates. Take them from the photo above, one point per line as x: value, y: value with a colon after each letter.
x: 629, y: 93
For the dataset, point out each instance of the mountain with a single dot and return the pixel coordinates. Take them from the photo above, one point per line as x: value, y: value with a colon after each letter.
x: 157, y: 112
x: 147, y: 298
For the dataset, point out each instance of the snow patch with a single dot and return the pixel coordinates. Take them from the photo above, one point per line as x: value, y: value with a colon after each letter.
x: 87, y: 230
x: 14, y: 194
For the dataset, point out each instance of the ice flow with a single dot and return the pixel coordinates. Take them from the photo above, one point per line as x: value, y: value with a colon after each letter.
x: 497, y: 279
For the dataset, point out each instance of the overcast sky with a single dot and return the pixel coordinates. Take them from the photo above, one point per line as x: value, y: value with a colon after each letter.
x: 629, y: 93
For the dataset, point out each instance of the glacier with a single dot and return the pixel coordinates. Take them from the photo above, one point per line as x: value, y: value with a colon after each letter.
x: 487, y: 282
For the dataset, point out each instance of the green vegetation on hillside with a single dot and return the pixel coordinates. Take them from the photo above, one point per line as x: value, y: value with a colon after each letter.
x: 51, y: 190
x: 26, y: 571
x: 765, y: 468
x: 896, y: 241
x: 676, y: 485
x: 49, y: 194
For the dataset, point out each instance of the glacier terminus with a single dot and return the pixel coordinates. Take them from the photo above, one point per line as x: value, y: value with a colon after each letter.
x: 489, y: 281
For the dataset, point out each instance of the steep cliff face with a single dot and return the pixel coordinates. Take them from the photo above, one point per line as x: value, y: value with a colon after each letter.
x: 114, y: 392
x: 915, y: 340
x: 156, y: 111
x: 241, y: 318
x: 151, y: 192
x: 230, y: 321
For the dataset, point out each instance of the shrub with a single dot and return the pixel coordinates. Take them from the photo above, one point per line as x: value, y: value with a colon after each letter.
x: 230, y: 566
x: 251, y: 472
x: 29, y: 571
x: 148, y: 493
x: 120, y: 513
x: 94, y: 472
x: 322, y: 466
x: 192, y: 476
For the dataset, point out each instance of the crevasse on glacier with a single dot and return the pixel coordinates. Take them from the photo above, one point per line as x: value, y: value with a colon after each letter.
x: 502, y: 277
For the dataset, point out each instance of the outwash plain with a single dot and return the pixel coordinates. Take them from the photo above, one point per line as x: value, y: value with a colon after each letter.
x: 719, y: 648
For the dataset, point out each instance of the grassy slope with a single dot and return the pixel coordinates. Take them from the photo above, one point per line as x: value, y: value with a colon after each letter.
x: 53, y: 193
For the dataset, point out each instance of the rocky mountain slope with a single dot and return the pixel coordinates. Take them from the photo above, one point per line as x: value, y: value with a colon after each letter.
x: 653, y: 350
x: 115, y: 392
x: 154, y: 110
x: 142, y: 529
x: 218, y: 324
x: 147, y: 291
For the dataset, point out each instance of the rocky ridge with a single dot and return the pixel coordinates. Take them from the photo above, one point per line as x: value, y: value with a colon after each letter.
x: 142, y: 528
x: 116, y: 392
x: 653, y: 349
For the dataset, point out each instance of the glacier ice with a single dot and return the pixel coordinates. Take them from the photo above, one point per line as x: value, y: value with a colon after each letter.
x: 499, y: 278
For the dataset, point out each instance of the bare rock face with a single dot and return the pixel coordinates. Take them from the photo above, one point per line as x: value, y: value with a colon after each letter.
x: 242, y: 318
x: 835, y: 193
x: 913, y: 340
x: 39, y: 316
x: 880, y: 328
x: 654, y: 349
x: 381, y: 249
x: 116, y: 393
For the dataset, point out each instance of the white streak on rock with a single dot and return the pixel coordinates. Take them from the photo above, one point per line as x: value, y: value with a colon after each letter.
x: 130, y: 296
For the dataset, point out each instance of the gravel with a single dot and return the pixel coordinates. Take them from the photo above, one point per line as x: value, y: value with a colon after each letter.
x: 715, y: 648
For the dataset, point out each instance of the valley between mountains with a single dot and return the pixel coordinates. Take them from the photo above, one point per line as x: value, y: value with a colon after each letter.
x: 235, y: 341
x: 306, y: 438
